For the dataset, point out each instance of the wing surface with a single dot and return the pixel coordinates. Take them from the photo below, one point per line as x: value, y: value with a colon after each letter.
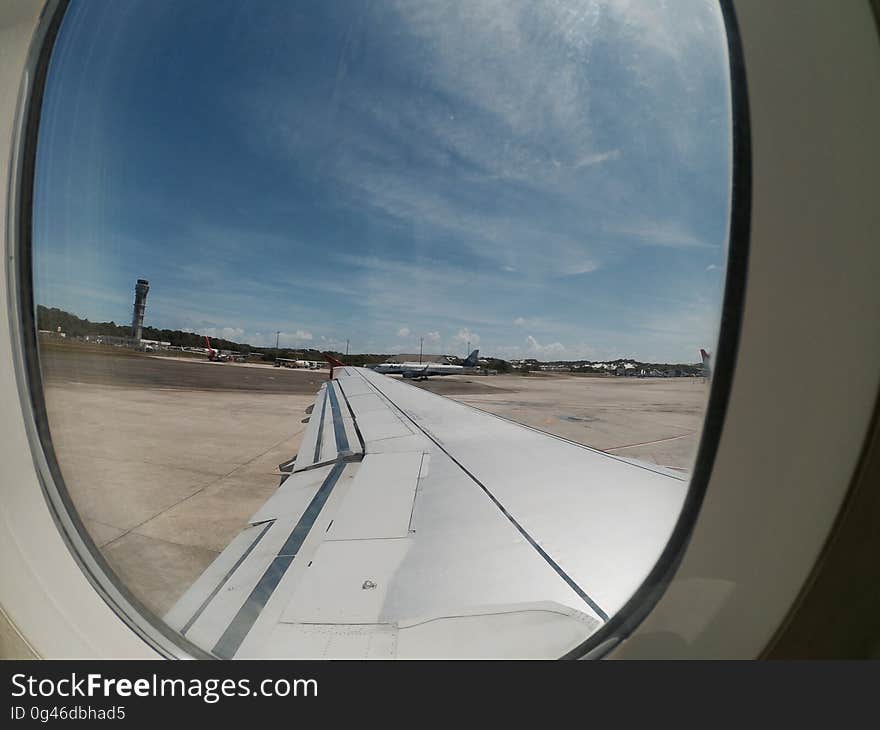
x: 412, y: 525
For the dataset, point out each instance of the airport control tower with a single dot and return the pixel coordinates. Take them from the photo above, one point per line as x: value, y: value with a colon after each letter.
x: 140, y: 304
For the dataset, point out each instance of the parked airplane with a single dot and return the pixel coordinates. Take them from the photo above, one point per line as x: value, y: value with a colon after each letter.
x: 214, y: 355
x: 286, y: 362
x: 423, y: 370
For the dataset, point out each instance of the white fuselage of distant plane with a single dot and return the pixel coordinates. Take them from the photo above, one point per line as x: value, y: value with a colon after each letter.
x: 419, y: 369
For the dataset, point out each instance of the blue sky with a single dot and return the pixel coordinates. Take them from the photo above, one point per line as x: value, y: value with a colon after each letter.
x: 540, y: 179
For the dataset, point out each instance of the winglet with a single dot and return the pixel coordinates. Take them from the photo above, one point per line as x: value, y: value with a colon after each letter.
x: 334, y: 363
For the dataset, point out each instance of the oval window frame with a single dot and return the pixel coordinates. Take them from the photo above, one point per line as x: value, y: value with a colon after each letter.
x: 151, y: 628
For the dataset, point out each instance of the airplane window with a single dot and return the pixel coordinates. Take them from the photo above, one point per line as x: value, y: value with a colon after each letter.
x: 381, y: 330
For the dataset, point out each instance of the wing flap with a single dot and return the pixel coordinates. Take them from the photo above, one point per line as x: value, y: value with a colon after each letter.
x: 502, y: 632
x: 293, y: 496
x: 331, y: 431
x: 273, y: 570
x: 348, y: 582
x: 332, y: 641
x: 380, y: 501
x: 190, y: 606
x: 309, y: 449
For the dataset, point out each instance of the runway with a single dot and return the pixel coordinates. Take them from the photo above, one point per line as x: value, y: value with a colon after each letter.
x: 71, y: 364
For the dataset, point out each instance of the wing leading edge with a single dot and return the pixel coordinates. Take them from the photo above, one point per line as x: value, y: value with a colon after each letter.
x: 412, y: 525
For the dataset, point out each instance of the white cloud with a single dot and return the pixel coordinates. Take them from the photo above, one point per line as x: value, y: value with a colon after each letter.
x: 224, y: 333
x: 516, y: 109
x: 532, y: 323
x: 388, y: 285
x: 521, y: 241
x: 661, y: 233
x: 268, y: 339
x: 535, y: 348
x: 712, y: 267
x: 590, y: 160
x: 527, y: 118
x: 464, y: 336
x: 432, y: 337
x: 553, y: 351
x: 513, y: 107
x: 583, y: 267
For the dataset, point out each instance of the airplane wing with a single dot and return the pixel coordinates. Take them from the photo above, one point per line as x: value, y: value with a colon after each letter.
x: 411, y: 525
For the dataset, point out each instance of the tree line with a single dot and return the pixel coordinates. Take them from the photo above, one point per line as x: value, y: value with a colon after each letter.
x: 51, y: 318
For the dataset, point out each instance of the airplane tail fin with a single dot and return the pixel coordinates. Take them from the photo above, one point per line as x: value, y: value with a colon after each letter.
x: 208, y: 342
x: 707, y: 365
x: 471, y: 360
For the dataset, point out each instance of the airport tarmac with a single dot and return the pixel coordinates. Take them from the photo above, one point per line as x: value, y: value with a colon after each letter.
x: 126, y: 369
x: 166, y: 459
x: 658, y: 420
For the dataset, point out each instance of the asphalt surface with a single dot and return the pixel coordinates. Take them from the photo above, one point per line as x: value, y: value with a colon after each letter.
x: 69, y: 365
x: 461, y: 385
